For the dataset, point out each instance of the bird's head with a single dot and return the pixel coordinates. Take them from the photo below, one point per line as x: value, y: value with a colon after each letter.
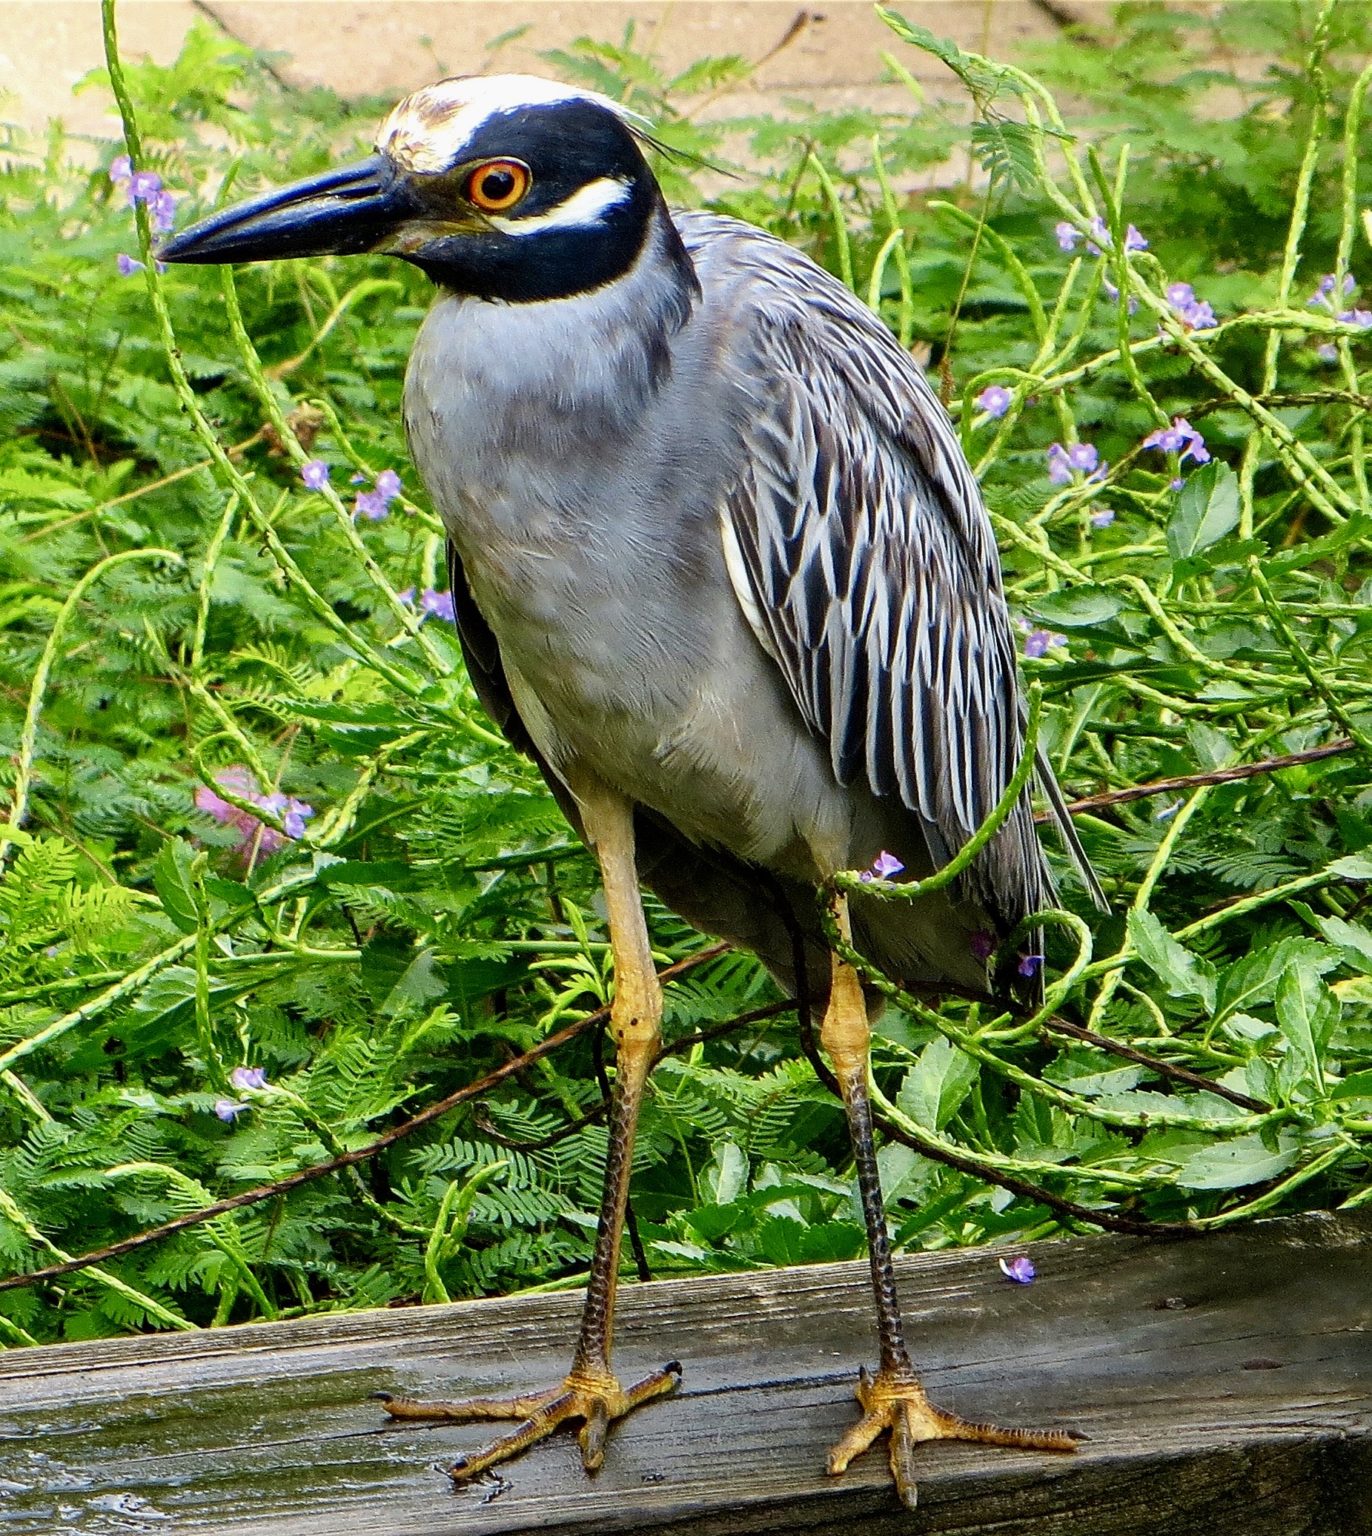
x: 500, y: 186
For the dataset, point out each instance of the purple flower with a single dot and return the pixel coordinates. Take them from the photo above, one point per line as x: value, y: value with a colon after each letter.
x: 248, y: 1077
x: 1180, y: 438
x: 439, y: 604
x: 121, y: 169
x: 162, y: 212
x: 253, y: 833
x: 886, y: 866
x: 376, y: 503
x: 982, y: 943
x: 1029, y: 965
x: 995, y: 400
x: 372, y: 505
x: 1176, y: 485
x: 1038, y: 642
x: 1067, y: 236
x: 1327, y: 352
x: 1195, y: 314
x: 144, y: 186
x: 1059, y: 468
x: 127, y: 265
x: 1113, y: 291
x: 1020, y: 1269
x: 1081, y: 457
x: 1100, y: 237
x: 228, y: 1110
x: 1323, y: 296
x: 1133, y: 240
x: 1102, y: 517
x: 315, y: 474
x: 1358, y: 317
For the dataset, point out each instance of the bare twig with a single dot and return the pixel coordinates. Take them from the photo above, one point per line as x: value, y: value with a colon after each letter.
x: 1215, y: 776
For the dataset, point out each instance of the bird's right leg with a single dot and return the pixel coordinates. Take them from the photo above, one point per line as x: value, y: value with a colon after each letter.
x: 591, y: 1393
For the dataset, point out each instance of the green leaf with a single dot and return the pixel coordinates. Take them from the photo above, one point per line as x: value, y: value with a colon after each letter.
x: 1207, y: 509
x: 1231, y: 1164
x: 1306, y: 1013
x: 725, y: 1177
x: 1074, y: 607
x: 1254, y: 979
x: 1183, y: 974
x: 1351, y: 939
x: 172, y: 877
x: 937, y: 1083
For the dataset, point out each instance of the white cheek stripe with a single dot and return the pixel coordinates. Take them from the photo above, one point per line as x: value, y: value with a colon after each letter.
x: 585, y: 207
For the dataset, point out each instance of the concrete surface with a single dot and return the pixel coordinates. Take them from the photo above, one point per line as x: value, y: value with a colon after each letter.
x: 387, y: 47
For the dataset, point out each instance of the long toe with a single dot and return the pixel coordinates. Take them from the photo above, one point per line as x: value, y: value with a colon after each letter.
x: 898, y: 1403
x: 596, y: 1401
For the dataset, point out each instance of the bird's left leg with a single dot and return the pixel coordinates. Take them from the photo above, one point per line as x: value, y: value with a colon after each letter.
x: 591, y: 1393
x: 893, y: 1399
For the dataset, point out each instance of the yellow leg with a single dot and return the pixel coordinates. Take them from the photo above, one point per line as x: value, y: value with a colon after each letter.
x: 591, y: 1392
x: 893, y: 1399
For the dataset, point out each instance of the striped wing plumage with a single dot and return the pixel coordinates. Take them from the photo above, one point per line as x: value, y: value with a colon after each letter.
x: 863, y: 557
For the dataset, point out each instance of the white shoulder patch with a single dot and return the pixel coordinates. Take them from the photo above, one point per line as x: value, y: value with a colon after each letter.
x: 427, y: 131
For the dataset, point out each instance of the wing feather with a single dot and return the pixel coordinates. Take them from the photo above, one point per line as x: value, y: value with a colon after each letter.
x: 865, y: 562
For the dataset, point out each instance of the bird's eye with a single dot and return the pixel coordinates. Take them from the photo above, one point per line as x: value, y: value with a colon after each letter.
x: 498, y: 185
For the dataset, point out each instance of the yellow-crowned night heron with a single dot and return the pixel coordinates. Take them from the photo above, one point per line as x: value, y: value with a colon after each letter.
x: 721, y: 569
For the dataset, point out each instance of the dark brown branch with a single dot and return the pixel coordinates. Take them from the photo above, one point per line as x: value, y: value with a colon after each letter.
x: 1215, y: 776
x: 397, y: 1133
x: 1154, y: 1064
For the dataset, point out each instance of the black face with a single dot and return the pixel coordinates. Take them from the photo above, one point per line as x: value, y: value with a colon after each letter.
x: 544, y: 201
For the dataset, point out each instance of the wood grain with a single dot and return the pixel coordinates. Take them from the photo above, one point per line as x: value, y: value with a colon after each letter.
x: 1225, y: 1384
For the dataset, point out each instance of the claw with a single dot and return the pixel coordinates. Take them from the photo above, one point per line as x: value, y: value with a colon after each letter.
x: 597, y: 1400
x: 897, y: 1402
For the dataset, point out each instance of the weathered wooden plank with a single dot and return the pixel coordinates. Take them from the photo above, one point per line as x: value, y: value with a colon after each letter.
x: 1226, y: 1385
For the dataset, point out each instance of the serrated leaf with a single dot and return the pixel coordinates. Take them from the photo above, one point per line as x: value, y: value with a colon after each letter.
x: 1181, y: 972
x: 1074, y: 607
x: 1352, y: 940
x: 1306, y: 1013
x: 172, y: 878
x: 1206, y: 510
x: 1232, y: 1164
x: 1254, y: 979
x: 937, y: 1083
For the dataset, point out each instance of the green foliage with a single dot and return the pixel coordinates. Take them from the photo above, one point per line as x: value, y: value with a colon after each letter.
x: 175, y: 603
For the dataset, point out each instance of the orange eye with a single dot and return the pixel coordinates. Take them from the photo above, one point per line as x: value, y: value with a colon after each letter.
x: 498, y: 185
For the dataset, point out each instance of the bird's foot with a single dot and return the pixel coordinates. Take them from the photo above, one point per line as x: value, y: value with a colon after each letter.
x: 594, y: 1397
x: 896, y: 1401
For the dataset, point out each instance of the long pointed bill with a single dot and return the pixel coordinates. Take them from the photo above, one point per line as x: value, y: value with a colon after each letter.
x: 340, y: 212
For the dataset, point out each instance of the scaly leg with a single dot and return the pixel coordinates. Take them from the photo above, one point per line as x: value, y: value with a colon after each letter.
x: 893, y: 1399
x: 591, y: 1392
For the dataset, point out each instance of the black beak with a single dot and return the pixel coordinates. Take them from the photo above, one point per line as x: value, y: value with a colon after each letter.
x: 340, y: 212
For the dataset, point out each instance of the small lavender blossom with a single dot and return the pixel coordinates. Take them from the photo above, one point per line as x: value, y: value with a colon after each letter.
x: 1020, y: 1269
x: 253, y: 833
x: 228, y: 1109
x: 1059, y: 468
x: 1029, y: 966
x: 1100, y: 237
x: 1167, y: 812
x: 244, y: 1078
x: 371, y: 505
x: 437, y: 604
x: 1102, y: 517
x: 1067, y: 236
x: 1323, y: 296
x: 982, y: 943
x: 315, y: 474
x: 1083, y: 456
x: 1327, y: 352
x: 143, y: 187
x: 1133, y: 240
x: 1038, y: 642
x: 886, y: 866
x: 162, y: 212
x: 995, y: 400
x: 1113, y: 292
x: 1195, y: 314
x: 121, y: 169
x: 1180, y: 438
x: 376, y: 503
x: 127, y: 265
x: 1176, y: 485
x: 1359, y: 317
